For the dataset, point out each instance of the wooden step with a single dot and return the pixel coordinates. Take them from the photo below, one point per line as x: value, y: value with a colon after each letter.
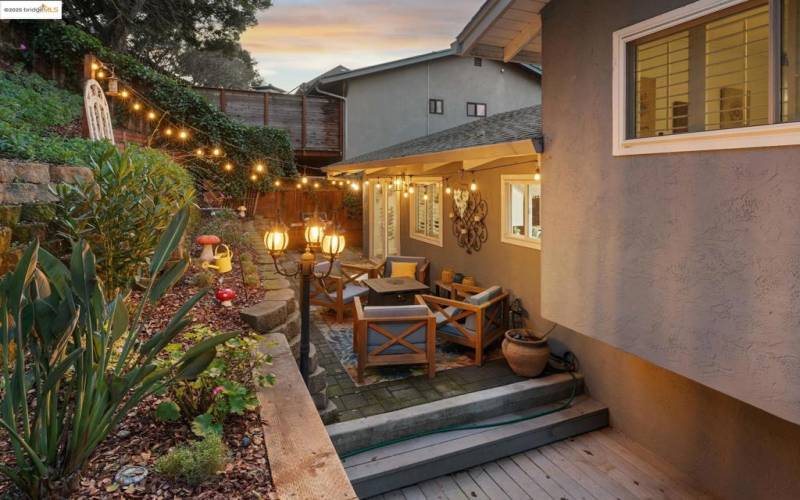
x: 467, y: 408
x: 406, y: 463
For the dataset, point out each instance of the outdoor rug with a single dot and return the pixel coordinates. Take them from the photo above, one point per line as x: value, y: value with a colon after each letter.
x: 340, y: 338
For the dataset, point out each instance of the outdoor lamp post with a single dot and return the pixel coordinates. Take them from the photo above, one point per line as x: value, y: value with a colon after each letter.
x: 276, y: 239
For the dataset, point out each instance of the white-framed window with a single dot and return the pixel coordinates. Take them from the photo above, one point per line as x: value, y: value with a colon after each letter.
x: 520, y: 208
x: 425, y: 207
x: 715, y: 74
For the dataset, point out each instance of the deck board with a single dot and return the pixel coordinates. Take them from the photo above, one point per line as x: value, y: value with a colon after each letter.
x: 594, y: 466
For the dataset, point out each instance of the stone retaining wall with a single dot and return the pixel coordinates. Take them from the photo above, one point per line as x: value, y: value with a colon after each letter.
x: 26, y: 203
x: 279, y: 312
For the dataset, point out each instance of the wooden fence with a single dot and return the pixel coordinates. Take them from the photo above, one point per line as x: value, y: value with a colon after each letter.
x: 293, y: 204
x: 314, y: 124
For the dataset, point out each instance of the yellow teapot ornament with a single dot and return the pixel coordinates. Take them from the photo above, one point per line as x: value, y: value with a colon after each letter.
x: 223, y: 260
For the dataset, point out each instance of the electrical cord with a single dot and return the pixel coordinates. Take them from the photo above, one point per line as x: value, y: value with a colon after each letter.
x: 568, y: 363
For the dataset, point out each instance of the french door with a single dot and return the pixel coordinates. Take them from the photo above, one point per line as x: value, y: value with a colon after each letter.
x: 384, y: 221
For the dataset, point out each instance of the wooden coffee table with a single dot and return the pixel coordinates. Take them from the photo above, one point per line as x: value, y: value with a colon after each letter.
x: 393, y: 291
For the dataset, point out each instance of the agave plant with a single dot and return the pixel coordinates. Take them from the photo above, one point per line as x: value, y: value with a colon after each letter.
x: 79, y: 364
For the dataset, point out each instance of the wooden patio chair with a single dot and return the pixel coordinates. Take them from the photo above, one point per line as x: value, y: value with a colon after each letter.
x: 476, y: 321
x: 423, y: 266
x: 394, y: 335
x: 338, y: 290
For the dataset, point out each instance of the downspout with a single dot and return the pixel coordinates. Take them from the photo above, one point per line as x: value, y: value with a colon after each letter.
x: 345, y: 117
x: 428, y: 113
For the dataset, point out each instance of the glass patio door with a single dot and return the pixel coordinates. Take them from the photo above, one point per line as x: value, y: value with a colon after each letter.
x: 384, y: 222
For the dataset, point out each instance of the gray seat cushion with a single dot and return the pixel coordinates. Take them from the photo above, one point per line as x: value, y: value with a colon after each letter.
x: 450, y: 310
x: 480, y: 299
x: 351, y: 291
x: 417, y: 338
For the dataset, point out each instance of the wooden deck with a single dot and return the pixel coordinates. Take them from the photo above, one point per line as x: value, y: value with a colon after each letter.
x: 599, y: 465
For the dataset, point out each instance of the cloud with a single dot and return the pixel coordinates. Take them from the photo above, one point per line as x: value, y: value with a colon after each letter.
x: 296, y: 40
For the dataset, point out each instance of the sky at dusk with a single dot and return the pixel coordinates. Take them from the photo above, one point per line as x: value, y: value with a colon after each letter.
x: 296, y: 40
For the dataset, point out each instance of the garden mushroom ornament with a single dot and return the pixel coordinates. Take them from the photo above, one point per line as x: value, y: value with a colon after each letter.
x: 208, y: 241
x: 242, y: 211
x: 226, y: 296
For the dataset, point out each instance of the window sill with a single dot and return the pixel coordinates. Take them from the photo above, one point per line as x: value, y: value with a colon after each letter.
x: 522, y: 242
x: 427, y: 239
x: 784, y: 134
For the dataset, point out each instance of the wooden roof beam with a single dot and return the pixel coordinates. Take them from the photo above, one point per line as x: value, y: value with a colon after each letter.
x: 442, y: 164
x: 533, y: 28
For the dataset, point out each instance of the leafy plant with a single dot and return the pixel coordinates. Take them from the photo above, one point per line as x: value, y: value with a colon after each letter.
x: 352, y: 205
x: 226, y: 387
x: 203, y: 279
x: 29, y: 102
x: 196, y: 462
x: 132, y: 197
x: 67, y: 45
x: 81, y: 364
x: 168, y: 411
x: 225, y: 224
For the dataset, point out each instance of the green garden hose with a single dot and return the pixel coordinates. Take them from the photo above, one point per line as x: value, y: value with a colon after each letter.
x: 568, y: 361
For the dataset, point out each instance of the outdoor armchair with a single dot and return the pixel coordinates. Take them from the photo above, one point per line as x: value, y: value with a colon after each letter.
x: 475, y: 321
x: 338, y: 290
x: 423, y: 266
x: 394, y: 335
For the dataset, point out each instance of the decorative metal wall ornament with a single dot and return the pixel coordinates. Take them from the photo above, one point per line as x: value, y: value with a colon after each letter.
x: 468, y: 215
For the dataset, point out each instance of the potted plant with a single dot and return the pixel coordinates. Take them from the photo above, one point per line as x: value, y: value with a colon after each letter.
x: 526, y: 352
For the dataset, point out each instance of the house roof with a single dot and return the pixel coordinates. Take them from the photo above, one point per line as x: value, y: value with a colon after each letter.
x: 430, y: 56
x: 520, y: 124
x: 308, y: 86
x: 504, y: 30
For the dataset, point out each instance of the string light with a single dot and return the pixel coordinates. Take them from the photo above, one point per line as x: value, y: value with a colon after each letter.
x: 151, y: 115
x: 199, y: 152
x: 95, y: 66
x: 254, y: 177
x: 137, y: 106
x: 304, y: 180
x: 216, y: 152
x: 355, y: 186
x: 277, y: 182
x: 425, y: 196
x: 183, y: 135
x: 537, y: 176
x: 316, y: 185
x: 101, y: 74
x: 366, y: 183
x: 411, y: 189
x: 447, y: 190
x: 228, y: 167
x: 473, y: 186
x: 259, y: 168
x: 124, y: 94
x: 405, y: 194
x: 168, y: 131
x: 299, y: 185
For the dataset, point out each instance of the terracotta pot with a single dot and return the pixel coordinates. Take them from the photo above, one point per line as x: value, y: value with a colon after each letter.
x: 447, y: 275
x: 469, y: 281
x: 527, y: 358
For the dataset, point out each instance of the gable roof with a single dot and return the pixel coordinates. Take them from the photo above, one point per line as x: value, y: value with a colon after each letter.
x: 408, y: 61
x: 308, y: 86
x: 519, y: 124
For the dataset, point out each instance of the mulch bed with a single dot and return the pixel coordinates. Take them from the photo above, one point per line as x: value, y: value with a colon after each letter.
x: 141, y: 439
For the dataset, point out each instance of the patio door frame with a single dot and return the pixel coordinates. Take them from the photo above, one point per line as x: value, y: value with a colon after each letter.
x: 384, y: 193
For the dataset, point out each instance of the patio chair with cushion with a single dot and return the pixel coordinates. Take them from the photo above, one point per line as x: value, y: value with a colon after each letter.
x: 403, y: 268
x: 394, y: 335
x: 338, y: 290
x: 476, y: 321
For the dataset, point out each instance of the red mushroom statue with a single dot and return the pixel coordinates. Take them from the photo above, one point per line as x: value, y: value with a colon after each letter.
x: 225, y: 296
x: 208, y: 241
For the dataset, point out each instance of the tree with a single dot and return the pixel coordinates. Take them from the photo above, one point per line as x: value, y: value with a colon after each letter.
x: 170, y: 34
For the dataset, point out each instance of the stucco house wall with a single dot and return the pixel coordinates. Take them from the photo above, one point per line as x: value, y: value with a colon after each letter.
x: 680, y: 271
x: 391, y: 106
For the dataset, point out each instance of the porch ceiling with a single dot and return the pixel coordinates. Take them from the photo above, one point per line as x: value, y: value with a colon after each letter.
x: 504, y: 30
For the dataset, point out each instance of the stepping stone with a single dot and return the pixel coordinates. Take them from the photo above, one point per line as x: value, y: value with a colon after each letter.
x: 264, y: 316
x: 276, y: 284
x: 286, y: 295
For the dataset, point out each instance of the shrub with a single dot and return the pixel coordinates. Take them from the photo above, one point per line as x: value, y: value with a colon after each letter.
x: 196, y: 462
x: 81, y: 364
x: 225, y: 224
x: 132, y: 198
x: 67, y: 45
x: 226, y: 387
x: 29, y: 102
x: 203, y: 279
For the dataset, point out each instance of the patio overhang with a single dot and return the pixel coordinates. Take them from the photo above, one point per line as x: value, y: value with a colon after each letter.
x: 470, y: 158
x: 504, y: 30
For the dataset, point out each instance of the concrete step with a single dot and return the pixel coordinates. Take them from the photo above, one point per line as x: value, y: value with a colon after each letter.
x: 467, y: 408
x: 422, y: 458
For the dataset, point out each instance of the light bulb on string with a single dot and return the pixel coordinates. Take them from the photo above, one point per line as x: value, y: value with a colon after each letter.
x: 537, y: 176
x: 198, y: 152
x: 304, y: 180
x: 168, y: 131
x: 447, y: 190
x: 473, y: 186
x: 277, y: 182
x: 366, y: 183
x: 124, y: 94
x: 183, y: 135
x: 253, y: 177
x: 316, y: 185
x: 298, y: 185
x: 259, y: 167
x: 101, y: 74
x: 216, y: 152
x: 95, y: 66
x: 355, y: 186
x: 405, y: 194
x: 425, y: 196
x: 137, y: 106
x: 151, y: 115
x: 228, y: 167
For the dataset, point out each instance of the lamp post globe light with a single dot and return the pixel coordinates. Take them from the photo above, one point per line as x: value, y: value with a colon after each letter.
x: 276, y: 240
